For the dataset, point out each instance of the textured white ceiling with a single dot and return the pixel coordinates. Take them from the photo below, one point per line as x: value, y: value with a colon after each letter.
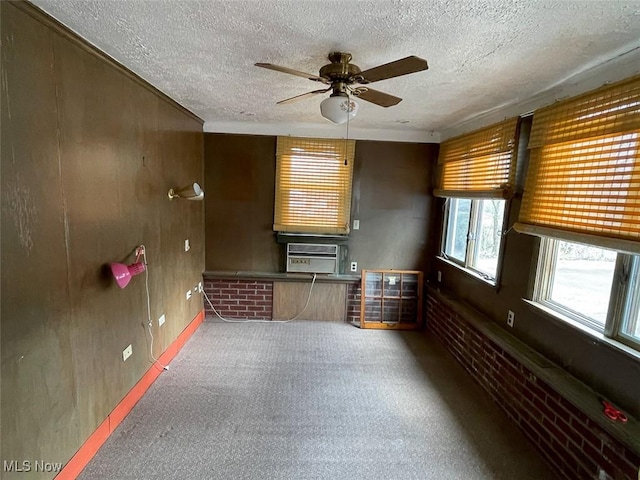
x: 487, y: 58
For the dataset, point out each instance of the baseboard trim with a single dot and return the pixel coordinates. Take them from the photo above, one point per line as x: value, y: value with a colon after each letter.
x: 91, y: 446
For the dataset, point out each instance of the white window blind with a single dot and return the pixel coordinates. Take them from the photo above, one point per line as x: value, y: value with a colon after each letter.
x: 313, y: 185
x: 583, y: 182
x: 479, y: 163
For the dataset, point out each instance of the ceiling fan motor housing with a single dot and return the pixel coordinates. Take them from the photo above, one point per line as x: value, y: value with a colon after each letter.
x: 340, y: 70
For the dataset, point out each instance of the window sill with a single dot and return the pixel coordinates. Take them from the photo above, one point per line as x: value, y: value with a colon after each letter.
x: 472, y: 273
x: 595, y: 336
x: 280, y: 277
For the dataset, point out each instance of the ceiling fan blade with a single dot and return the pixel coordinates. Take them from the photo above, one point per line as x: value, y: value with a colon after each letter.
x: 303, y: 96
x: 400, y: 67
x: 290, y: 71
x: 377, y: 97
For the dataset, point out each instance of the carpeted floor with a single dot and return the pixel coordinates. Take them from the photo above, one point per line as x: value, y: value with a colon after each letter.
x: 315, y: 400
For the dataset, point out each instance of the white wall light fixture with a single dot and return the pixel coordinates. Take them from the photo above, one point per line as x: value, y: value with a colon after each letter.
x: 188, y: 192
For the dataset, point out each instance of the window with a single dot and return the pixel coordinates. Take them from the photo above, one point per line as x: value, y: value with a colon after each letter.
x: 478, y: 174
x: 313, y: 185
x: 582, y: 196
x: 596, y: 287
x: 473, y: 233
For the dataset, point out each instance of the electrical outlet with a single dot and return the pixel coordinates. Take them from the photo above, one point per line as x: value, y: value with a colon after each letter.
x: 511, y: 317
x: 354, y: 266
x: 439, y: 276
x: 126, y: 353
x: 188, y: 295
x: 161, y: 320
x: 187, y: 245
x: 356, y: 224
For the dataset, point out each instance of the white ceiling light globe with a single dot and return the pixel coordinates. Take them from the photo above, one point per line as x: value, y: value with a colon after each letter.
x: 338, y: 109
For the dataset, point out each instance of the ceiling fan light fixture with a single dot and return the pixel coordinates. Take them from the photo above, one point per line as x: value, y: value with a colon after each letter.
x: 338, y: 108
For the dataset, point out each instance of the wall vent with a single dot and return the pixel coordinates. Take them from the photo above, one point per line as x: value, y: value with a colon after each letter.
x: 312, y: 258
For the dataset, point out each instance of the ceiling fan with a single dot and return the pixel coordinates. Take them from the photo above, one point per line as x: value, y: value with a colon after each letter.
x: 344, y: 79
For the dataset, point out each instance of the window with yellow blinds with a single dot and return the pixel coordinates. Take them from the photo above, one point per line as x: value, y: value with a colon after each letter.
x: 480, y: 163
x: 583, y: 182
x: 313, y: 185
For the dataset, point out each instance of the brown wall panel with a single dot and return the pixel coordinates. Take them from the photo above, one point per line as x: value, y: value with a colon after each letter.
x: 393, y: 201
x: 88, y: 155
x: 328, y: 301
x: 35, y: 317
x: 240, y: 182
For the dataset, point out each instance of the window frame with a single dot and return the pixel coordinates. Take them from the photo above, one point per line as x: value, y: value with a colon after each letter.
x: 471, y: 240
x: 624, y: 290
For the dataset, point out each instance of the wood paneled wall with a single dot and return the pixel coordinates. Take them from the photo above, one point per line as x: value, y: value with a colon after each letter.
x: 322, y: 301
x: 88, y: 154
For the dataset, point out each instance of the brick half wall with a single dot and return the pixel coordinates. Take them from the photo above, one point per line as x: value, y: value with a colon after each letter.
x: 569, y: 440
x: 239, y: 299
x: 353, y: 303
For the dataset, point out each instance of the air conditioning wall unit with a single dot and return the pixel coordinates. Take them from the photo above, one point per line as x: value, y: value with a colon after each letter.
x: 312, y: 258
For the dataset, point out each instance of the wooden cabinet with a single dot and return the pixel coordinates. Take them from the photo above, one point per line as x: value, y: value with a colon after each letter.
x: 391, y: 299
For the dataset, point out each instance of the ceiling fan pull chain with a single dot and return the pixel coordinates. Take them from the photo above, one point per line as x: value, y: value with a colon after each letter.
x: 346, y: 140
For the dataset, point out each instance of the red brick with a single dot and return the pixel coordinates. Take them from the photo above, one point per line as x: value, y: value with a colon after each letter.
x: 530, y: 431
x: 583, y: 472
x: 226, y: 302
x: 534, y: 388
x: 544, y: 409
x: 633, y: 458
x: 563, y: 424
x: 229, y: 291
x: 586, y: 461
x: 587, y: 435
x: 554, y: 431
x: 596, y: 456
x: 618, y: 461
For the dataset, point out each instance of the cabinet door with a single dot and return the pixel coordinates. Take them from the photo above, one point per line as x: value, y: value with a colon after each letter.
x: 391, y: 299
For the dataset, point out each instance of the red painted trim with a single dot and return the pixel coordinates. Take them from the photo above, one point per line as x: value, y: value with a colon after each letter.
x: 91, y: 446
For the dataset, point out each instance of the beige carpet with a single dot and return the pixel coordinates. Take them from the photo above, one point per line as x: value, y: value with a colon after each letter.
x: 315, y: 400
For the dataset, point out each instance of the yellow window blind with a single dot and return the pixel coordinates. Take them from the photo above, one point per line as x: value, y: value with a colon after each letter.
x: 480, y: 163
x: 313, y: 185
x: 583, y: 182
